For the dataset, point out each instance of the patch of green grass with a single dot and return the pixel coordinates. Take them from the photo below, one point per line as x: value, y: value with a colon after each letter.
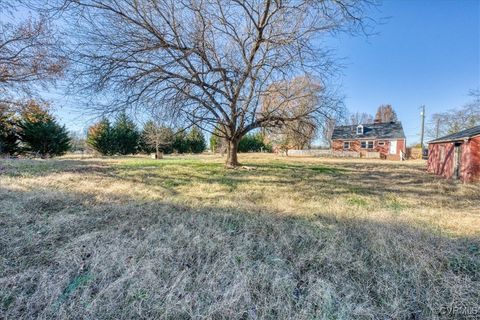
x: 7, y: 301
x: 394, y: 204
x: 76, y: 283
x: 357, y: 201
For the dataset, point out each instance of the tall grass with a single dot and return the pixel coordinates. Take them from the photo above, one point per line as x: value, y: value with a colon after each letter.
x: 184, y: 238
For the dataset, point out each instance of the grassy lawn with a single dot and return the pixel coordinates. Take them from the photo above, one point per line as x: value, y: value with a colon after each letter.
x: 183, y: 238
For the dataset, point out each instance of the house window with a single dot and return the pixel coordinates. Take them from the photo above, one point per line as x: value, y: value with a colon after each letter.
x: 366, y: 144
x: 346, y: 145
x: 359, y: 129
x: 381, y: 143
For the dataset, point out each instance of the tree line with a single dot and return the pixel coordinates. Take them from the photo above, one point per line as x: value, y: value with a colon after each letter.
x: 122, y: 137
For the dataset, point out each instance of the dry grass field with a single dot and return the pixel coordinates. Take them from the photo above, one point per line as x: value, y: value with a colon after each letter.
x: 184, y: 238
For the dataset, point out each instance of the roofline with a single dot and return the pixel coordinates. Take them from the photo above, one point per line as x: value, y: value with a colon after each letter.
x: 453, y: 140
x: 370, y: 138
x: 368, y: 124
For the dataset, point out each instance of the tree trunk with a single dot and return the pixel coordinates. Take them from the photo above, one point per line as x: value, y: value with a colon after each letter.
x: 158, y: 154
x: 232, y: 149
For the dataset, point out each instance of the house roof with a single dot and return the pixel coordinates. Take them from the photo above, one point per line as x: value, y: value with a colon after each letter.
x: 464, y: 134
x: 383, y: 130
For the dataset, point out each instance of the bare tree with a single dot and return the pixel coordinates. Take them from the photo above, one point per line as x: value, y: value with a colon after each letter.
x: 385, y: 113
x: 360, y: 118
x: 28, y: 53
x: 327, y: 131
x: 157, y: 136
x: 296, y: 99
x: 455, y: 120
x: 208, y: 62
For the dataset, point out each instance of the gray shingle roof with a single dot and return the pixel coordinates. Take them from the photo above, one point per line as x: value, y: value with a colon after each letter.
x: 468, y: 133
x: 384, y: 130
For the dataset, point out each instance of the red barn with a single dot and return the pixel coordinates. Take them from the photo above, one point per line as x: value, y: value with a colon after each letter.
x: 386, y: 139
x: 456, y: 155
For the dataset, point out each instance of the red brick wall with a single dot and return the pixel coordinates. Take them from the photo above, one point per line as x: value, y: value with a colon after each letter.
x: 337, y: 145
x: 384, y: 150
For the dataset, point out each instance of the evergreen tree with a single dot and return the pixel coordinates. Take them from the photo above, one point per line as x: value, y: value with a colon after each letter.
x: 100, y: 137
x: 253, y: 142
x: 180, y: 143
x: 196, y: 141
x: 125, y: 135
x: 8, y: 133
x: 41, y: 134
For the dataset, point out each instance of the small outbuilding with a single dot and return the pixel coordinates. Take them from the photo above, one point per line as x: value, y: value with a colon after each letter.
x: 456, y: 156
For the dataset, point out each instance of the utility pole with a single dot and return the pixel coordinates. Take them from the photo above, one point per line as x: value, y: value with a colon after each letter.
x: 423, y: 127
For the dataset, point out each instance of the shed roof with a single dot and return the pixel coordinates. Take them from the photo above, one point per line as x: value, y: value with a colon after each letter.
x: 464, y: 134
x: 383, y: 130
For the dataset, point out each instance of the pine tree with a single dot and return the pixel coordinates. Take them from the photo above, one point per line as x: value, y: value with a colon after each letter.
x: 41, y: 134
x: 180, y: 143
x: 125, y: 135
x: 196, y: 141
x: 100, y: 137
x: 8, y: 133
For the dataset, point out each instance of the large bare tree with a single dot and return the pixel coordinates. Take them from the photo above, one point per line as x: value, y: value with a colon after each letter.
x: 209, y: 62
x: 29, y: 52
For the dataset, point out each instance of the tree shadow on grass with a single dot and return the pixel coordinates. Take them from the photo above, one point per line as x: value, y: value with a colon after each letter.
x: 38, y: 167
x: 67, y: 256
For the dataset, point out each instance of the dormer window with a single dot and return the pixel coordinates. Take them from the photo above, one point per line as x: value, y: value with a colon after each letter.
x: 360, y: 129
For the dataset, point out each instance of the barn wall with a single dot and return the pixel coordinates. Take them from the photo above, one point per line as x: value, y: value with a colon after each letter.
x: 470, y: 160
x: 470, y: 170
x: 443, y: 167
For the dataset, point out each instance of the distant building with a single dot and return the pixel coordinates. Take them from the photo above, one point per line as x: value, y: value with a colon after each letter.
x: 384, y: 140
x: 456, y: 155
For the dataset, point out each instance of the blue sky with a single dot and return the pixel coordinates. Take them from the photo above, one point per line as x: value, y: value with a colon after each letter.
x: 424, y: 52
